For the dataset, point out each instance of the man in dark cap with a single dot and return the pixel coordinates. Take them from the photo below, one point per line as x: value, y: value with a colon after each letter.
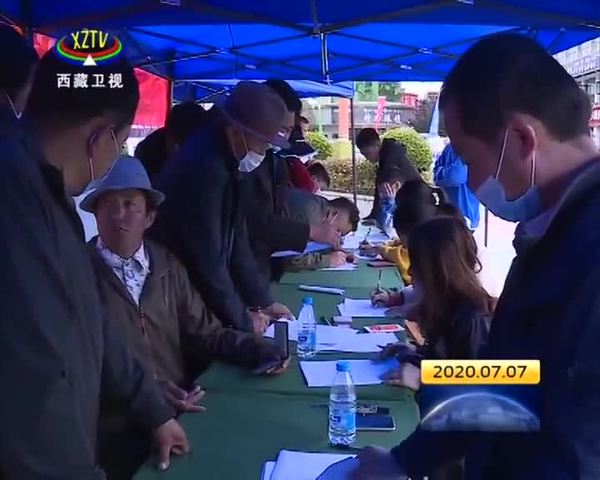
x: 203, y: 219
x: 269, y: 227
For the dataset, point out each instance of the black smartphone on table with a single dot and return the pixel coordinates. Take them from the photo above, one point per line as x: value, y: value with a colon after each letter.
x: 281, y: 338
x: 375, y: 423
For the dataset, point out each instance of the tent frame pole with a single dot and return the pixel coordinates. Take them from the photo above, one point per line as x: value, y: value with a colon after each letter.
x: 486, y: 227
x: 353, y: 140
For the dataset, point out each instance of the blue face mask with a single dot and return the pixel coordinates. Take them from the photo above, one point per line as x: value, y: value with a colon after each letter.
x: 491, y: 193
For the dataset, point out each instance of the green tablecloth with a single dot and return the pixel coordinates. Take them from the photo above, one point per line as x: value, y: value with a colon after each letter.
x: 249, y: 419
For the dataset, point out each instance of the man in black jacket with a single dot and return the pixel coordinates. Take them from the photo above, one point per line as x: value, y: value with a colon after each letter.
x: 392, y: 163
x: 203, y: 219
x: 269, y: 228
x: 58, y: 350
x: 520, y: 122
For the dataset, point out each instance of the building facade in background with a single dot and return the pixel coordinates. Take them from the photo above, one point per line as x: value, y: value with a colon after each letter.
x: 583, y: 63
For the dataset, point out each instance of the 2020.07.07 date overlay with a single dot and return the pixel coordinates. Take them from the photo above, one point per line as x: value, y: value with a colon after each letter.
x: 480, y: 372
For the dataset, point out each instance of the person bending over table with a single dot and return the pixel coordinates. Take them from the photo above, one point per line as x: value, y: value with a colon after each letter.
x: 341, y: 213
x: 165, y: 321
x: 451, y: 307
x: 203, y: 220
x: 415, y: 203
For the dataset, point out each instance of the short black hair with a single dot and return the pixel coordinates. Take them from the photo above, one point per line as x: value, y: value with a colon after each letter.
x: 152, y: 152
x: 18, y: 63
x: 509, y: 73
x: 302, y: 119
x: 343, y: 203
x: 417, y: 202
x: 319, y: 171
x: 367, y: 137
x: 287, y: 93
x: 184, y: 119
x: 70, y: 106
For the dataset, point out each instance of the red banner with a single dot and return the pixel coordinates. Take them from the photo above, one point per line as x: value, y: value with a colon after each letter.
x: 381, y: 101
x: 154, y: 90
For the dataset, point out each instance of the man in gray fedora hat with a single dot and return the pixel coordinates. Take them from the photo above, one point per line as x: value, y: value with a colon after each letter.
x: 203, y: 218
x: 164, y: 320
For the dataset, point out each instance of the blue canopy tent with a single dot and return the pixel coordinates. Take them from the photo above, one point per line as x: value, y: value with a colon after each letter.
x: 205, y: 90
x: 327, y: 41
x: 319, y: 40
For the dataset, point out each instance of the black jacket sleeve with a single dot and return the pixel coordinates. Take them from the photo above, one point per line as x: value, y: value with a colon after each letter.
x: 204, y: 337
x: 42, y: 433
x: 200, y: 225
x: 245, y: 272
x: 124, y: 379
x: 268, y: 227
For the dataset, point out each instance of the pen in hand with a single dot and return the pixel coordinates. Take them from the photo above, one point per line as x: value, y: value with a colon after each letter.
x: 378, y: 289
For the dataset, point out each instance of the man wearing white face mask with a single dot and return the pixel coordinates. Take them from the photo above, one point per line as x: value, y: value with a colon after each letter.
x: 520, y: 122
x: 203, y: 219
x: 57, y: 345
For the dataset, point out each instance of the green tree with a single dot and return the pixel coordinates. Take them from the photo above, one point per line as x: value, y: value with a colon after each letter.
x: 417, y: 148
x: 320, y: 143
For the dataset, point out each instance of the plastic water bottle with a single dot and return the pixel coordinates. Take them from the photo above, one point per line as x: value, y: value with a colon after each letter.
x: 388, y: 206
x: 342, y: 407
x: 307, y: 330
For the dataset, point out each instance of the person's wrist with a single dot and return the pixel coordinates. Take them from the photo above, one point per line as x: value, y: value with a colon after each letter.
x: 396, y: 299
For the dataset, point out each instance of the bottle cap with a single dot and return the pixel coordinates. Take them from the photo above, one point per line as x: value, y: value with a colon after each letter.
x: 343, y: 366
x: 307, y: 301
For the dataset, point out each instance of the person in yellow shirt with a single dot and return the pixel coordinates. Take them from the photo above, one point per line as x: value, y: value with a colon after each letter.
x: 416, y: 202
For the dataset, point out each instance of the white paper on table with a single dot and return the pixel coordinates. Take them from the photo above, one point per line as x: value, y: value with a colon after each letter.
x: 327, y: 335
x: 347, y: 267
x: 267, y: 470
x: 305, y: 466
x: 310, y: 248
x: 351, y: 242
x: 340, y: 470
x: 360, y: 308
x: 362, y: 342
x: 363, y: 372
x: 360, y: 256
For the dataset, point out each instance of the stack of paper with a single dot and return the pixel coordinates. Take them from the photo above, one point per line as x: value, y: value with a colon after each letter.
x: 351, y: 242
x: 363, y: 372
x: 360, y: 308
x: 347, y: 267
x: 341, y: 339
x: 308, y: 466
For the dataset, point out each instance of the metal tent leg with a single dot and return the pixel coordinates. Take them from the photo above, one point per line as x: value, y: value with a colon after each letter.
x: 353, y: 140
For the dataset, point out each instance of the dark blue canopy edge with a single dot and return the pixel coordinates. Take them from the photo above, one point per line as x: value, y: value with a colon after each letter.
x: 326, y: 41
x: 207, y: 90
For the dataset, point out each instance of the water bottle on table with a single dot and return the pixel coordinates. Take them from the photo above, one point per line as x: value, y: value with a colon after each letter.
x: 307, y: 330
x: 342, y: 407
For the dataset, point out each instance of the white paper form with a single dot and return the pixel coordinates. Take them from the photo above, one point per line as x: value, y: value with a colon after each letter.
x: 364, y: 372
x: 327, y: 335
x: 341, y: 339
x: 360, y: 309
x: 362, y: 342
x: 305, y: 466
x: 267, y: 470
x: 347, y: 267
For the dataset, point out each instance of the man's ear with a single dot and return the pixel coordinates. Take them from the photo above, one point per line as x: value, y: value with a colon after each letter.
x: 150, y: 217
